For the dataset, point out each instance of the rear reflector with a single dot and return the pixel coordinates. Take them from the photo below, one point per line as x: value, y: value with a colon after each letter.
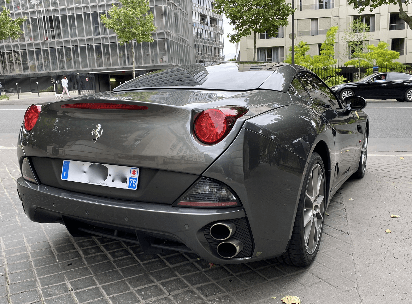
x: 31, y: 116
x: 27, y: 171
x: 103, y: 106
x: 208, y: 193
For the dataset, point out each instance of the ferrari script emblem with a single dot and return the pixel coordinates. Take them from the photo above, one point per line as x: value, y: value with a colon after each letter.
x: 97, y: 132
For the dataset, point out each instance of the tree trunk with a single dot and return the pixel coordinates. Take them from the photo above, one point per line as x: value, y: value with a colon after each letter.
x: 254, y: 46
x: 134, y: 73
x: 403, y: 15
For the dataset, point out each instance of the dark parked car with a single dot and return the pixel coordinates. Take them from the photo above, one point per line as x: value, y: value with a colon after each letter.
x: 235, y: 163
x: 390, y: 85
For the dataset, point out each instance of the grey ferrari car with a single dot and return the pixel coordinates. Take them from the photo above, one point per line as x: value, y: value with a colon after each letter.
x: 234, y: 162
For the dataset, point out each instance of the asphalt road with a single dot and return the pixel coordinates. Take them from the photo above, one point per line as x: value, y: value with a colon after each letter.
x: 390, y: 122
x: 364, y: 258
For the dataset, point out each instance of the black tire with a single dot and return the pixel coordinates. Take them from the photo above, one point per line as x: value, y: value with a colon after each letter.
x: 304, y: 242
x: 346, y: 93
x: 360, y: 173
x: 408, y: 95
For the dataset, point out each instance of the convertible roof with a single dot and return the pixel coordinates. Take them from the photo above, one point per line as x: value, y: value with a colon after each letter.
x: 228, y: 76
x: 398, y: 76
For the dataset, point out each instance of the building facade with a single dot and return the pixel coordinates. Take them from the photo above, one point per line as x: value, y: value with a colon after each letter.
x: 66, y: 37
x: 207, y: 32
x: 313, y: 18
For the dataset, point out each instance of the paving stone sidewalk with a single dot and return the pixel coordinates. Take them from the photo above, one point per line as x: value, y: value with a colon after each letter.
x: 42, y: 263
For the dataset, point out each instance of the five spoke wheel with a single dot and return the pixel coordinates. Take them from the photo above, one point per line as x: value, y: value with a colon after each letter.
x: 314, y: 208
x: 346, y: 93
x: 307, y: 231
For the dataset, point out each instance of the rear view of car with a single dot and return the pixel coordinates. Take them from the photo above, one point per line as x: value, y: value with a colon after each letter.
x: 229, y: 162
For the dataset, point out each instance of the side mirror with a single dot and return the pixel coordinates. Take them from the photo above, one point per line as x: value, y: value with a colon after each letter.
x: 355, y: 102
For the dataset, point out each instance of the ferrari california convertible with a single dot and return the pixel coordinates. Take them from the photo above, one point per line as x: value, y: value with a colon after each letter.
x: 233, y: 162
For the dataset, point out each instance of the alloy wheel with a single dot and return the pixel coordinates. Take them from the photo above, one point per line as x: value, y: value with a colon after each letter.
x: 408, y: 95
x: 314, y: 208
x: 364, y: 154
x: 346, y: 93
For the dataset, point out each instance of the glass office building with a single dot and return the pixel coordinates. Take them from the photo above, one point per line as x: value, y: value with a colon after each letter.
x: 66, y: 37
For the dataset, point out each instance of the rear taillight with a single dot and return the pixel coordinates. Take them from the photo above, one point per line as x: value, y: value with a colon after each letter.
x: 103, y: 106
x: 208, y: 193
x: 212, y: 125
x: 31, y: 116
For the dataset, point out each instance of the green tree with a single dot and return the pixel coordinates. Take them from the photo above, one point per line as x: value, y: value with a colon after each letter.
x: 10, y: 27
x: 257, y: 16
x: 372, y: 4
x: 355, y: 37
x: 301, y: 58
x: 322, y: 64
x: 380, y: 56
x: 131, y: 21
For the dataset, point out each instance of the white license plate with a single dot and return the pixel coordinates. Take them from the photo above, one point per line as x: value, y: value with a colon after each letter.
x: 100, y: 174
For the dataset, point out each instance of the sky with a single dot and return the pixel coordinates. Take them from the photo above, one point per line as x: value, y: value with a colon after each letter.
x: 229, y: 49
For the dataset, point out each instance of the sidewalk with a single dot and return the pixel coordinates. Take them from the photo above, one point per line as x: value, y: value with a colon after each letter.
x: 28, y: 98
x: 358, y: 262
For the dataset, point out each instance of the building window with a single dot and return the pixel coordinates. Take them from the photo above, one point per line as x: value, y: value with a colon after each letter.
x: 355, y: 47
x: 300, y: 5
x: 280, y: 34
x: 275, y: 54
x: 203, y: 19
x: 325, y: 4
x: 396, y: 23
x: 398, y: 45
x: 313, y: 27
x: 369, y: 20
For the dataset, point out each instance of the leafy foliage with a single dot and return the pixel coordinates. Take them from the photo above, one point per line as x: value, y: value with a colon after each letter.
x: 131, y: 21
x: 10, y: 27
x: 380, y: 56
x: 301, y: 58
x: 372, y: 4
x: 355, y: 37
x: 322, y: 64
x: 257, y: 16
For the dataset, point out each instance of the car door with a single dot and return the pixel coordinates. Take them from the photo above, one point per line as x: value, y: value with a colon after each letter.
x: 344, y: 124
x: 397, y: 85
x: 374, y: 87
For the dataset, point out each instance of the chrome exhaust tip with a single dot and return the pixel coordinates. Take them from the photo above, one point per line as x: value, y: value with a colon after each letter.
x: 229, y: 249
x: 222, y: 231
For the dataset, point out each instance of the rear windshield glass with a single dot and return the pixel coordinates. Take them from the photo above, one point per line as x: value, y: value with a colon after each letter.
x: 229, y: 76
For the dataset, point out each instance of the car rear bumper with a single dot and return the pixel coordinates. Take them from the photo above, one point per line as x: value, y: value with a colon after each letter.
x: 144, y: 220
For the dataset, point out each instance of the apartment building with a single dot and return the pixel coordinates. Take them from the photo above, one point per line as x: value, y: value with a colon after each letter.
x: 313, y: 18
x: 66, y: 37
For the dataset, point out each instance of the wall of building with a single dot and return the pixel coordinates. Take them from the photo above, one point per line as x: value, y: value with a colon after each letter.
x: 67, y: 37
x: 328, y: 13
x: 207, y: 32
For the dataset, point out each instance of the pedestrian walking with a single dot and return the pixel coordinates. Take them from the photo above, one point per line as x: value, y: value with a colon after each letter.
x: 65, y: 85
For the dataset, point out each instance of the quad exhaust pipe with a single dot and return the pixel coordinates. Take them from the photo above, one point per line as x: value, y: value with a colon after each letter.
x: 222, y: 231
x: 229, y: 249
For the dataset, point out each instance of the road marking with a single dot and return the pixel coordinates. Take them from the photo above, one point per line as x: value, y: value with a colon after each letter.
x: 389, y: 108
x: 392, y: 155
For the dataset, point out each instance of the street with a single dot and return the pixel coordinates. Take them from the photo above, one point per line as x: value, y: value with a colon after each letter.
x: 364, y: 257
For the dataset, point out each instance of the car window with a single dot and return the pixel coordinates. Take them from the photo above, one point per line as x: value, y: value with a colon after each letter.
x: 297, y: 89
x: 319, y: 92
x: 379, y: 78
